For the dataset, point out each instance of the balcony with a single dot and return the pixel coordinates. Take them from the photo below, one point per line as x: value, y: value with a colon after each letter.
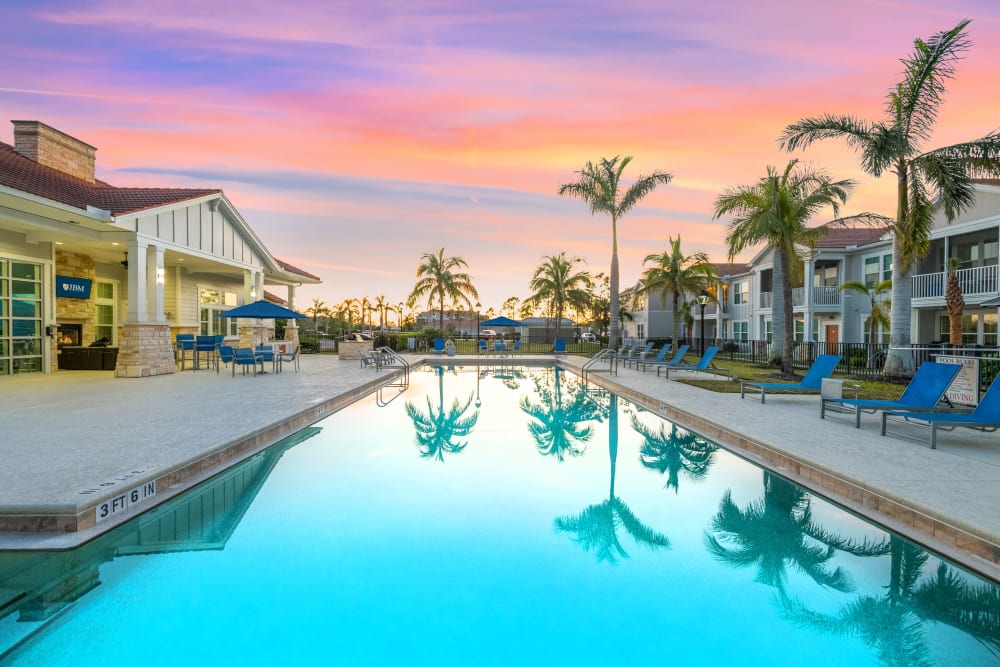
x: 822, y: 296
x: 976, y: 281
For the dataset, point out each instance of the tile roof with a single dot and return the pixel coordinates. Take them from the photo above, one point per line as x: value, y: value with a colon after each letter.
x: 845, y: 237
x: 730, y: 269
x: 294, y: 269
x: 21, y: 173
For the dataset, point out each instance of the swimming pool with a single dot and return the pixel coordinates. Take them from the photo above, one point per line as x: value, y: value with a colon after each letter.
x: 509, y: 516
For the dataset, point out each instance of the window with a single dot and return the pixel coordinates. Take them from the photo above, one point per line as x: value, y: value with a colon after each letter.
x: 213, y: 304
x: 990, y: 329
x: 886, y: 267
x: 970, y: 328
x: 104, y: 311
x: 741, y: 292
x: 768, y: 330
x: 877, y: 269
x: 20, y: 317
x: 741, y: 330
x: 640, y: 330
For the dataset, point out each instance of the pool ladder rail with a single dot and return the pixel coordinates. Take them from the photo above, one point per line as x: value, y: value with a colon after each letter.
x: 607, y: 354
x: 386, y: 357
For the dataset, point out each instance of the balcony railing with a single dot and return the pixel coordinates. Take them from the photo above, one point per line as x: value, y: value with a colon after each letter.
x: 822, y: 296
x: 975, y: 281
x: 766, y: 299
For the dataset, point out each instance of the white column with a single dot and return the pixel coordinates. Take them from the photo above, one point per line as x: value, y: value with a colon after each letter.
x: 809, y: 279
x: 137, y: 281
x: 155, y: 278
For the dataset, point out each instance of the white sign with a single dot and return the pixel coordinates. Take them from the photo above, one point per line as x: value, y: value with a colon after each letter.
x: 122, y: 502
x: 965, y: 387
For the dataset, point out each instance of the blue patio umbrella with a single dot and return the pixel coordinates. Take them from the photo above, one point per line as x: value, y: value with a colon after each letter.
x: 501, y: 322
x: 262, y: 310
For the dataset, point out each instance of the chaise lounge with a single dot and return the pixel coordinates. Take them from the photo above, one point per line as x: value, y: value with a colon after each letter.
x: 811, y: 383
x: 985, y: 417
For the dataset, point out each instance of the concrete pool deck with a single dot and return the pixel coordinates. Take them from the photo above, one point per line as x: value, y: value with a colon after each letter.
x: 75, y: 441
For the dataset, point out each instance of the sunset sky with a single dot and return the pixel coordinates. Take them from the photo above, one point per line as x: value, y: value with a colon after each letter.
x: 355, y: 136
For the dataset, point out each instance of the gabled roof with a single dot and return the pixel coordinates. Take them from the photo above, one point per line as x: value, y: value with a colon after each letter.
x: 21, y: 173
x: 285, y: 266
x: 730, y: 269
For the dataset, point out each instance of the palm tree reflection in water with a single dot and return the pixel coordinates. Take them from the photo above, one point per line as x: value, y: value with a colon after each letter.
x: 893, y: 624
x: 675, y: 451
x: 439, y: 430
x: 559, y: 417
x: 596, y: 528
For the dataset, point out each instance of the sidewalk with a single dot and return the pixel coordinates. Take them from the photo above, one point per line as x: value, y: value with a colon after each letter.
x: 77, y: 439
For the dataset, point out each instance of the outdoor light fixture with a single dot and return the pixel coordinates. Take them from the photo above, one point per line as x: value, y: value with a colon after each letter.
x: 703, y: 298
x: 161, y: 275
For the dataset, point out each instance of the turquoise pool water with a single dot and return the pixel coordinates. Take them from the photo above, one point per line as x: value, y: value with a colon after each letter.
x: 510, y: 517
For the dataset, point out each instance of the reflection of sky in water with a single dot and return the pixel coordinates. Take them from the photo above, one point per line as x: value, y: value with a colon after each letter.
x: 358, y: 551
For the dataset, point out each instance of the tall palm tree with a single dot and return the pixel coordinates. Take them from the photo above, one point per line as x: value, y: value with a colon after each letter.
x: 775, y: 211
x: 510, y: 306
x: 895, y: 144
x: 557, y: 284
x: 349, y: 307
x: 675, y: 274
x: 437, y: 278
x: 597, y: 526
x: 879, y: 305
x: 601, y: 187
x: 381, y: 305
x: 954, y: 302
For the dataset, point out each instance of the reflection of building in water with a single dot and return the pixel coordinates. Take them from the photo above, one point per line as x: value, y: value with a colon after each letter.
x: 38, y: 585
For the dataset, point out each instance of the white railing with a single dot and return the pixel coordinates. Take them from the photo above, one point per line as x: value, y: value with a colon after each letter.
x: 826, y: 296
x: 766, y: 299
x: 738, y: 311
x: 974, y: 281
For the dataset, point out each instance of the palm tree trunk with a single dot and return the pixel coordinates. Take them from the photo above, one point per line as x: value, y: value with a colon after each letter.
x: 677, y: 324
x: 899, y: 359
x: 787, y: 365
x: 613, y: 328
x: 778, y: 311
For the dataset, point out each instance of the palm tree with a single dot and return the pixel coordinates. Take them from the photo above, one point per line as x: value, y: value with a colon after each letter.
x: 895, y: 144
x: 439, y: 429
x: 317, y: 309
x: 600, y: 186
x: 597, y: 526
x: 775, y: 211
x: 349, y: 307
x: 381, y: 305
x: 437, y: 279
x: 879, y: 314
x: 556, y: 284
x: 675, y: 274
x: 509, y: 307
x: 955, y: 303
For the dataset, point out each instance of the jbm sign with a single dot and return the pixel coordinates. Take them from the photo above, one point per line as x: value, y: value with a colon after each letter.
x: 73, y: 288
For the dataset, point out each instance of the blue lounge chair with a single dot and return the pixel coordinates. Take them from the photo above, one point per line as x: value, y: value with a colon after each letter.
x: 678, y: 358
x: 925, y: 391
x: 704, y: 365
x: 245, y: 356
x: 483, y: 347
x: 624, y: 353
x: 812, y: 382
x: 438, y: 346
x: 658, y: 359
x: 559, y: 349
x: 643, y: 353
x: 986, y: 416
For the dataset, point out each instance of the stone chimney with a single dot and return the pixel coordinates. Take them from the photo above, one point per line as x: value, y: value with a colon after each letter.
x: 52, y: 148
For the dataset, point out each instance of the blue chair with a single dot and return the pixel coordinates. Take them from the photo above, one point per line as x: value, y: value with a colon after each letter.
x: 368, y: 359
x: 500, y: 347
x: 821, y: 369
x: 560, y: 347
x: 923, y: 393
x: 658, y: 359
x: 245, y: 356
x: 438, y: 346
x: 483, y: 347
x: 704, y: 365
x: 517, y: 346
x: 266, y: 353
x: 643, y: 353
x: 184, y: 344
x: 985, y: 417
x: 226, y: 355
x: 204, y: 346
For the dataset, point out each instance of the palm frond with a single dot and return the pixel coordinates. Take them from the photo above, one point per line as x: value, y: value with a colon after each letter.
x: 802, y: 133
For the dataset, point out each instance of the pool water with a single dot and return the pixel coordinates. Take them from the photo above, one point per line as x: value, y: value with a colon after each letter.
x: 508, y: 516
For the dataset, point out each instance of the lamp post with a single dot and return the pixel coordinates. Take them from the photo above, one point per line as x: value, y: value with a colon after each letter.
x: 703, y: 297
x: 478, y: 306
x: 400, y: 311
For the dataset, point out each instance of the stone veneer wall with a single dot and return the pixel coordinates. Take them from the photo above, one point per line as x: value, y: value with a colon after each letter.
x: 145, y: 350
x: 76, y: 311
x: 53, y: 148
